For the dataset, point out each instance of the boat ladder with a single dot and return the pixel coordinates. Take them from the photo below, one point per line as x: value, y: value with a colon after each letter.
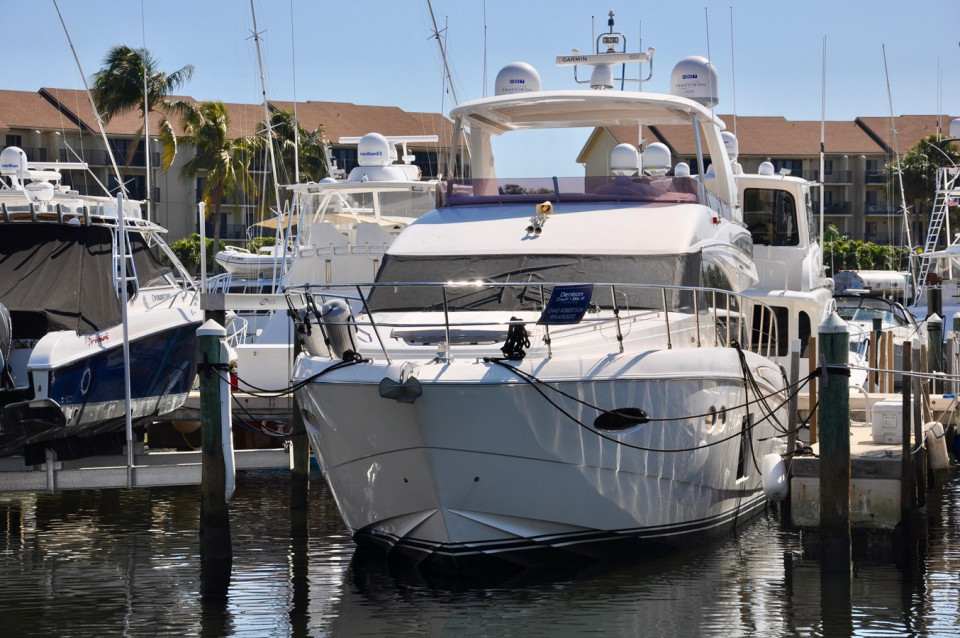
x: 946, y: 178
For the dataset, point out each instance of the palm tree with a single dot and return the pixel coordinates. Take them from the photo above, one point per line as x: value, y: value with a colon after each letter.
x: 119, y: 86
x: 311, y: 157
x: 224, y: 161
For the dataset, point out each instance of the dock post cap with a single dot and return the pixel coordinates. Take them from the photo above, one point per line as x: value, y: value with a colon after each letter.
x: 211, y: 328
x: 833, y: 324
x: 934, y: 318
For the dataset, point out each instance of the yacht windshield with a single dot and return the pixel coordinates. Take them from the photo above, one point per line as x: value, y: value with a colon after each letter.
x: 529, y: 273
x: 647, y: 188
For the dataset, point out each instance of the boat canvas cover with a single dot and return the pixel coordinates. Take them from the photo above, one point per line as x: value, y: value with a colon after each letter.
x: 63, y: 272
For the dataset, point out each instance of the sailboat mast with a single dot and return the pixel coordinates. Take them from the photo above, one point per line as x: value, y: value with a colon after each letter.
x: 266, y: 109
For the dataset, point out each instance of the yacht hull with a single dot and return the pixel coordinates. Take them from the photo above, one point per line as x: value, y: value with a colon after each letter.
x: 83, y: 393
x: 492, y: 470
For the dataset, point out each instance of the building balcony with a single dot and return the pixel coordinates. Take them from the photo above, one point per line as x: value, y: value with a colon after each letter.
x: 96, y: 157
x: 838, y: 177
x: 875, y: 177
x: 879, y: 209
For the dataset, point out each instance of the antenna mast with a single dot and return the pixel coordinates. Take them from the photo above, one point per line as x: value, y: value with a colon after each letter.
x: 443, y: 54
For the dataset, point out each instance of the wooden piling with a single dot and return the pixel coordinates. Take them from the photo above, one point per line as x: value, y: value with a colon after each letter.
x: 906, y: 466
x: 873, y: 355
x: 812, y: 363
x: 792, y: 416
x: 300, y: 474
x: 216, y: 549
x: 834, y: 435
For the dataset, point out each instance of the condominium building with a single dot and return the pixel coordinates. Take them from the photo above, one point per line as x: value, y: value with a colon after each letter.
x: 59, y: 125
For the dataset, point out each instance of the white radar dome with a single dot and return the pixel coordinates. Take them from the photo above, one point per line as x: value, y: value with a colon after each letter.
x: 955, y: 129
x: 624, y: 160
x: 682, y: 169
x: 766, y: 168
x: 656, y: 159
x: 732, y: 144
x: 517, y: 77
x: 695, y: 78
x: 13, y: 161
x: 373, y: 150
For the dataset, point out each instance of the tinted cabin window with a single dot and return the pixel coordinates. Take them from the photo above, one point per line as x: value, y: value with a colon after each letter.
x: 771, y: 216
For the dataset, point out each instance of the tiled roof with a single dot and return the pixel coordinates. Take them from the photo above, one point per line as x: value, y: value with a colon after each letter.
x: 910, y: 129
x: 69, y: 109
x: 343, y: 119
x: 27, y: 110
x: 777, y: 136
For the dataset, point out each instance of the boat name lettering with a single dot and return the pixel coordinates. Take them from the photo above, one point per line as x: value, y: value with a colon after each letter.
x: 93, y: 340
x: 573, y: 58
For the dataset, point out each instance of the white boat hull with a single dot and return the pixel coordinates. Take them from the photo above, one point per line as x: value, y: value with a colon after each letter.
x: 492, y: 469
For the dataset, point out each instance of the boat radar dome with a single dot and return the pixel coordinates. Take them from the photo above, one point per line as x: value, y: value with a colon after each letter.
x: 656, y: 159
x: 624, y: 160
x: 695, y: 78
x: 517, y: 77
x: 13, y: 162
x: 766, y: 168
x: 374, y: 150
x: 682, y: 169
x: 732, y: 144
x: 955, y: 128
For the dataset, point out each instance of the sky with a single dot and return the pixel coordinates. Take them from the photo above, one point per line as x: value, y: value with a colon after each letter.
x: 383, y: 52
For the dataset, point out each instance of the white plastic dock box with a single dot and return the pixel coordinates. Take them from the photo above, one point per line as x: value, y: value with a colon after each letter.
x: 888, y: 422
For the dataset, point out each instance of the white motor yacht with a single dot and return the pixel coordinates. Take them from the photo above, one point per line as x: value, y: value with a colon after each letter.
x: 552, y: 368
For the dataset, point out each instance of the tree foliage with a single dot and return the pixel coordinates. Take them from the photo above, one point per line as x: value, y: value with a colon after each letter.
x: 919, y: 169
x: 118, y: 87
x: 187, y: 251
x: 222, y: 160
x: 843, y: 253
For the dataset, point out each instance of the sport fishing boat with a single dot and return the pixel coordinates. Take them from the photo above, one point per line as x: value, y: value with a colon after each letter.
x: 68, y: 263
x: 339, y: 232
x: 552, y: 368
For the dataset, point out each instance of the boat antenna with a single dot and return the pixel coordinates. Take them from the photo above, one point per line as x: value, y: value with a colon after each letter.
x: 484, y: 48
x: 823, y: 119
x: 443, y: 54
x: 296, y: 127
x: 706, y: 19
x: 96, y: 114
x: 146, y: 109
x: 896, y: 151
x: 733, y: 74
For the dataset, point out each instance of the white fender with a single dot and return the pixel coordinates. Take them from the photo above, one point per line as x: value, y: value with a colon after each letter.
x: 774, y: 470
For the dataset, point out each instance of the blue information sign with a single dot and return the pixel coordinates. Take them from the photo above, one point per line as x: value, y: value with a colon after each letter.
x: 567, y: 304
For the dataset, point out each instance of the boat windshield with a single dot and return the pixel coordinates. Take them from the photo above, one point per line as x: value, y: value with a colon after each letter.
x: 866, y: 309
x: 530, y: 273
x: 667, y: 189
x: 352, y: 205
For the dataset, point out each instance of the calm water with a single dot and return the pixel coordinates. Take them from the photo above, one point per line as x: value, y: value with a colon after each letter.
x: 126, y: 563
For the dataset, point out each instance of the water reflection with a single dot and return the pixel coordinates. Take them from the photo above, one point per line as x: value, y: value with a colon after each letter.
x: 119, y: 562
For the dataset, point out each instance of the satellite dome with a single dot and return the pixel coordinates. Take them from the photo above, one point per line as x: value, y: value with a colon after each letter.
x: 624, y: 160
x: 732, y: 144
x: 13, y: 161
x: 682, y: 169
x: 373, y: 150
x: 766, y: 168
x: 955, y: 128
x: 695, y: 78
x: 517, y: 77
x: 656, y: 159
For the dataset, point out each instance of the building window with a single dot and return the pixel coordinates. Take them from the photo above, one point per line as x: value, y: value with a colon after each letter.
x: 794, y: 166
x: 201, y: 184
x: 14, y: 140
